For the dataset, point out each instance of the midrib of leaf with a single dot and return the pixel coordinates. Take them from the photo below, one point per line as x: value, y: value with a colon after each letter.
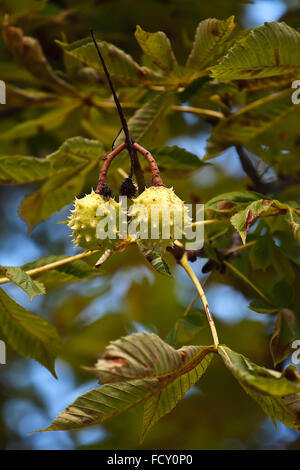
x: 153, y: 412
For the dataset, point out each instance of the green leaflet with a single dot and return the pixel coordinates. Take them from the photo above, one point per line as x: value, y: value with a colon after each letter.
x: 177, y: 159
x: 120, y: 65
x: 294, y: 222
x: 285, y: 332
x: 46, y: 122
x: 29, y: 53
x: 15, y: 169
x: 158, y: 47
x: 23, y: 280
x: 243, y: 219
x: 155, y: 259
x: 250, y: 121
x: 277, y: 393
x: 228, y: 202
x: 134, y: 369
x: 146, y: 121
x: 69, y: 272
x: 207, y: 48
x: 27, y: 333
x: 74, y: 160
x: 249, y: 58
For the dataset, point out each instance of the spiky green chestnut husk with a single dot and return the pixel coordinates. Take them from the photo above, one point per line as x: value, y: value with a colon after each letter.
x: 162, y: 197
x: 83, y: 222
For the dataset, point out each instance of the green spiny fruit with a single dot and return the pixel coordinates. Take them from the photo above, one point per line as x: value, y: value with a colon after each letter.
x: 84, y: 222
x: 164, y: 199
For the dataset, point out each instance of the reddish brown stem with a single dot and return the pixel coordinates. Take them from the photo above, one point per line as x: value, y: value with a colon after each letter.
x: 156, y: 179
x: 108, y: 159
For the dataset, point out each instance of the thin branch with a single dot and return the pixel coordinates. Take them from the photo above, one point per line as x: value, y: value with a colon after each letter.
x: 128, y: 139
x: 182, y: 109
x: 185, y: 264
x: 192, y: 110
x: 54, y: 265
x: 282, y: 182
x: 196, y: 296
x: 108, y: 159
x: 156, y: 179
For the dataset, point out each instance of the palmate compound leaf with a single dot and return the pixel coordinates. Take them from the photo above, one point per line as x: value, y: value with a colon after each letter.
x: 27, y: 333
x: 278, y: 393
x: 135, y: 369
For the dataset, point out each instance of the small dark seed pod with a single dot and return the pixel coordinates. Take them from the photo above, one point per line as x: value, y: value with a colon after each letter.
x: 128, y: 188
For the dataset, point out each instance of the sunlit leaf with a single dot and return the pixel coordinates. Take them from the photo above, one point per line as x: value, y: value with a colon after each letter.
x: 249, y: 58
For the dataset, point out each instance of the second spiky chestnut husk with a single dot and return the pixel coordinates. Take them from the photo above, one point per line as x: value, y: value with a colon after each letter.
x: 163, y: 198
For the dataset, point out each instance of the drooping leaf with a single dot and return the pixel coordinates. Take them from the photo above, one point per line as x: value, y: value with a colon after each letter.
x: 134, y: 369
x: 27, y: 333
x: 207, y: 48
x: 249, y: 58
x: 274, y: 391
x: 158, y: 47
x: 23, y: 280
